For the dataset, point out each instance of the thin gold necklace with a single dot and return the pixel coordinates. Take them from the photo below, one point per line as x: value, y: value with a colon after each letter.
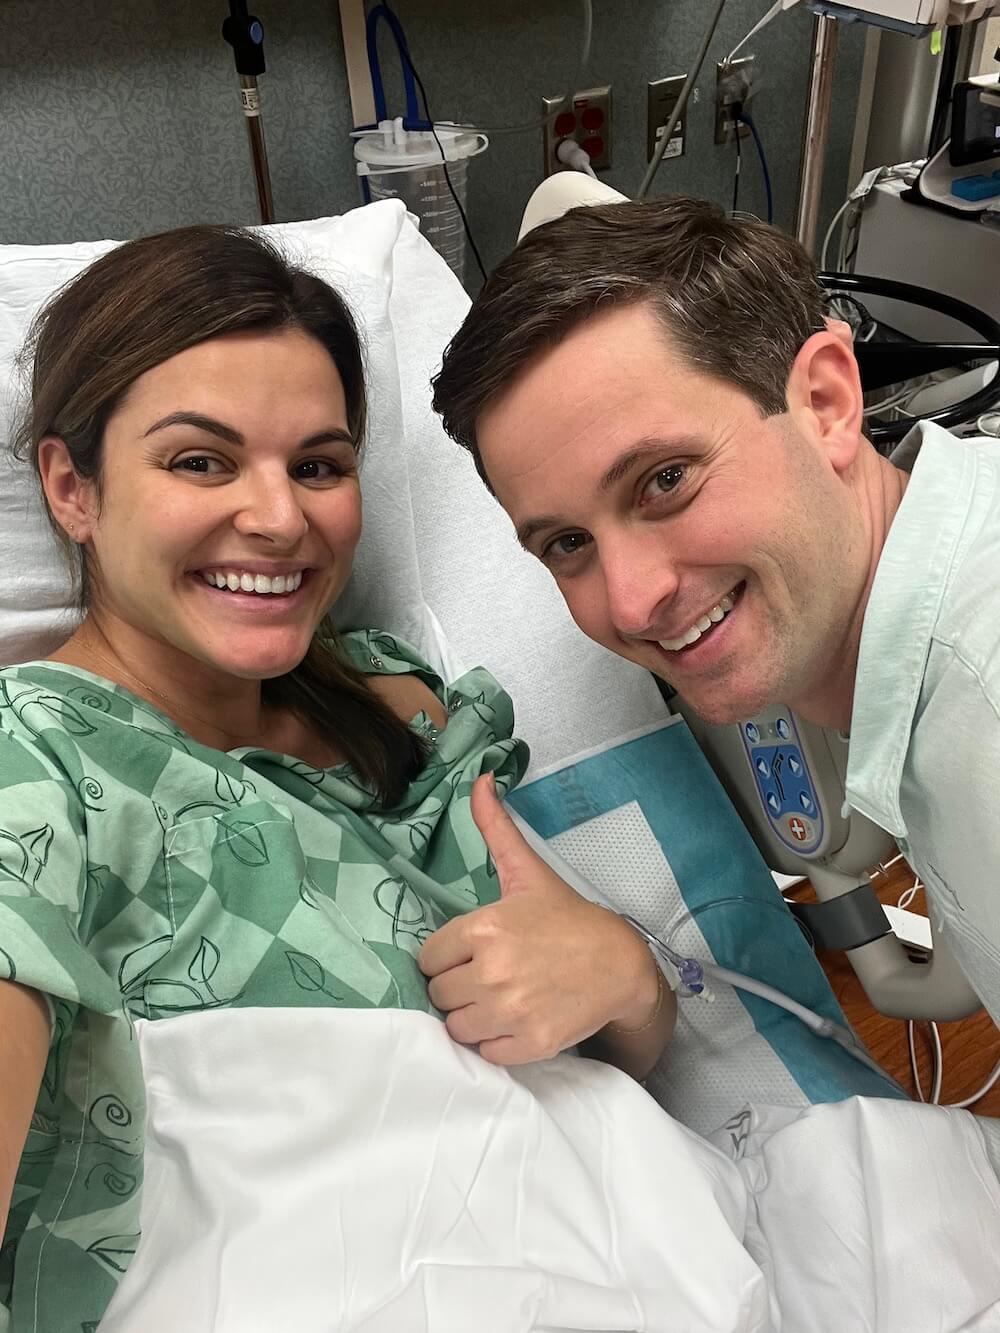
x: 172, y: 703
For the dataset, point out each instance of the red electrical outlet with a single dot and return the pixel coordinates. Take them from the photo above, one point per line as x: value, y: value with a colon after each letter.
x: 585, y: 117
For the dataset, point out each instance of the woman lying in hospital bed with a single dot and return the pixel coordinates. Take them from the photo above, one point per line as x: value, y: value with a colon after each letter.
x: 275, y: 867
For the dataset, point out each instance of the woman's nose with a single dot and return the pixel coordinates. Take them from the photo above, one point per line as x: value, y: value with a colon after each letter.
x: 271, y: 508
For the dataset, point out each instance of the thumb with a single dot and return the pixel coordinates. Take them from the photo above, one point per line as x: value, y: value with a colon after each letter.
x: 508, y: 848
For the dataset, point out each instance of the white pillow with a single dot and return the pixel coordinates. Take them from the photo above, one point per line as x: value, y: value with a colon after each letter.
x: 494, y: 604
x: 354, y: 254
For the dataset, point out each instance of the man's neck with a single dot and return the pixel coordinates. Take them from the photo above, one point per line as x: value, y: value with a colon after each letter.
x: 879, y: 489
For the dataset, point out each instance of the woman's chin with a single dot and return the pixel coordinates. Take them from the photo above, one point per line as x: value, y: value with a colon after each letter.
x: 259, y: 662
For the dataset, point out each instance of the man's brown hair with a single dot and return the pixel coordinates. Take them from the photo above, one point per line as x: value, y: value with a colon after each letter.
x: 737, y: 298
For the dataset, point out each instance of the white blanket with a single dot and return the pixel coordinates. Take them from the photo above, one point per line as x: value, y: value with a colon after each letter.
x: 356, y: 1171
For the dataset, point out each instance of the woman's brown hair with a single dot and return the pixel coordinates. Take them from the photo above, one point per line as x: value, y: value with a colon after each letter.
x: 138, y: 306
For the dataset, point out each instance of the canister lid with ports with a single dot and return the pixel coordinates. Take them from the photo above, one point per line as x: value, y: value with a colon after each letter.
x: 389, y: 147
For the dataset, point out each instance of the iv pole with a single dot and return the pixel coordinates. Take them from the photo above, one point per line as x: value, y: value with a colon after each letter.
x: 245, y: 34
x: 820, y: 100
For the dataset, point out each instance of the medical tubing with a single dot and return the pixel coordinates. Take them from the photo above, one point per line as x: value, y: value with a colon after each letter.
x: 380, y: 14
x: 408, y: 61
x: 693, y: 913
x: 688, y: 970
x: 822, y: 1026
x: 818, y: 1023
x: 442, y: 896
x: 681, y: 102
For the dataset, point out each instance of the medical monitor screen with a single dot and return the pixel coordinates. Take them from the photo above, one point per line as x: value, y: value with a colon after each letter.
x: 975, y: 124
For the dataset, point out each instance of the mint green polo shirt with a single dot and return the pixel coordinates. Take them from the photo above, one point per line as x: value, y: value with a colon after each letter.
x: 924, y: 760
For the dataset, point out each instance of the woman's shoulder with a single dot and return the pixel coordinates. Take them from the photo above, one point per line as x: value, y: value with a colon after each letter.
x: 43, y: 696
x: 397, y: 673
x: 376, y: 652
x: 475, y: 706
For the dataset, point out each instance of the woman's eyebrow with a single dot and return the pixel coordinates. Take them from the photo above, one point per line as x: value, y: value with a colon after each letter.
x: 199, y: 422
x: 332, y: 435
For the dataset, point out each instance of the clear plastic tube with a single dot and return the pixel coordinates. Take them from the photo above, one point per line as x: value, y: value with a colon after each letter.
x: 693, y: 973
x: 744, y: 898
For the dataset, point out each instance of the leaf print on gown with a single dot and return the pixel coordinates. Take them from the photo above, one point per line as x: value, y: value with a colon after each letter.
x: 309, y: 973
x: 24, y: 856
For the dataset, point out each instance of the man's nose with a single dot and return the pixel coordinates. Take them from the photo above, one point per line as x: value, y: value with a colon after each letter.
x: 640, y: 575
x: 271, y: 508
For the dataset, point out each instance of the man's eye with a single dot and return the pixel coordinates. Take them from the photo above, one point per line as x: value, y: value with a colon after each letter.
x: 567, y: 545
x: 665, y: 481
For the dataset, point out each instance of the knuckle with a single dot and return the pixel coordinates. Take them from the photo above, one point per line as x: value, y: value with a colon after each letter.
x: 518, y: 1009
x: 494, y: 972
x: 484, y: 926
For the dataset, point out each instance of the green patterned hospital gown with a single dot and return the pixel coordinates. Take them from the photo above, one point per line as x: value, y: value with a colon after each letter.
x: 145, y: 875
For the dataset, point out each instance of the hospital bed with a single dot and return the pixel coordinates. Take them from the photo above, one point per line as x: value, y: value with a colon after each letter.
x: 617, y: 787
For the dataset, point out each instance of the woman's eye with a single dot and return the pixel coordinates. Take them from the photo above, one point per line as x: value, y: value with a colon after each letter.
x: 665, y: 481
x: 199, y: 464
x: 564, y: 546
x: 318, y: 469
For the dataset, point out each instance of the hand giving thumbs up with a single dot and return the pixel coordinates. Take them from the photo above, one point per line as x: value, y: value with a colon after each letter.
x: 541, y: 969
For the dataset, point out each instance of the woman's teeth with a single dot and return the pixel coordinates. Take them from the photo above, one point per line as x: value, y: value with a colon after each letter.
x: 240, y: 581
x: 718, y: 612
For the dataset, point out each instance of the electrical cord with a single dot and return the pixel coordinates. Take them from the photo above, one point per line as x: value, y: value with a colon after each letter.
x: 908, y: 895
x: 404, y: 51
x: 906, y: 171
x: 830, y: 231
x: 574, y: 155
x: 739, y: 166
x: 911, y: 1028
x: 743, y: 118
x: 681, y: 102
x: 937, y: 1053
x: 978, y: 1096
x: 937, y: 1072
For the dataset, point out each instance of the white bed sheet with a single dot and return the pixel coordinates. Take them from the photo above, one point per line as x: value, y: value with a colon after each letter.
x: 358, y: 1171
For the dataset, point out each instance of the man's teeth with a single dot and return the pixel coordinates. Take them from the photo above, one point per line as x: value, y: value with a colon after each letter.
x: 718, y: 612
x: 241, y: 581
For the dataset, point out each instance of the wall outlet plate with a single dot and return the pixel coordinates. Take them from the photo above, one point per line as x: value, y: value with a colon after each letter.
x: 585, y: 117
x: 661, y: 98
x: 734, y: 82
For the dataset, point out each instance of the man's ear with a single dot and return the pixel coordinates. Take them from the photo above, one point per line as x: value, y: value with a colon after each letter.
x: 824, y: 394
x: 71, y: 498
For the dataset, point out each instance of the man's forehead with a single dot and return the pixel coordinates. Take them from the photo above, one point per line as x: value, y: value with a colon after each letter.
x: 591, y: 365
x: 613, y: 383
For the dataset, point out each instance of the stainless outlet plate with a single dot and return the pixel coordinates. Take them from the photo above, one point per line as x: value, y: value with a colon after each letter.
x: 578, y: 103
x: 744, y: 68
x: 661, y: 98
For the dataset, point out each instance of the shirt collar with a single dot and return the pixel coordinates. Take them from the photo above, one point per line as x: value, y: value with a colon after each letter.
x: 901, y: 615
